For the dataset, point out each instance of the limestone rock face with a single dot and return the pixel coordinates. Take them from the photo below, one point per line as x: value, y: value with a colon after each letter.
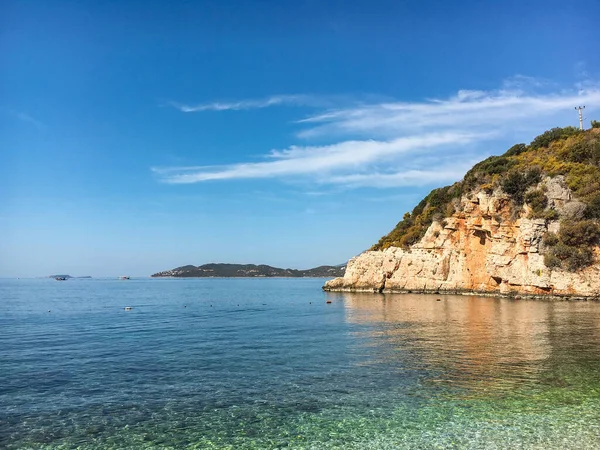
x: 483, y: 249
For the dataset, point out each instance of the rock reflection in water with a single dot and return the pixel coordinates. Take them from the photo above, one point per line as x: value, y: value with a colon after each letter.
x: 482, y: 344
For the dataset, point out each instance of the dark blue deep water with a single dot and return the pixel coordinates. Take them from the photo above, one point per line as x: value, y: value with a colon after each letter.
x: 266, y: 363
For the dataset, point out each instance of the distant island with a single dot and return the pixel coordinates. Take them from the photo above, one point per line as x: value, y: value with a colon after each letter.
x: 249, y: 271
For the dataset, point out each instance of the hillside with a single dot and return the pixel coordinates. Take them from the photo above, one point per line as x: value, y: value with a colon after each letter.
x: 249, y: 270
x: 527, y: 222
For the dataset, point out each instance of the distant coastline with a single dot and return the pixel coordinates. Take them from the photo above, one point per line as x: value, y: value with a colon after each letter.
x: 222, y: 270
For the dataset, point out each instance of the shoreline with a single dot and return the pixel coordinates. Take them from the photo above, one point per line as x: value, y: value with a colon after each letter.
x: 293, y: 278
x: 513, y: 295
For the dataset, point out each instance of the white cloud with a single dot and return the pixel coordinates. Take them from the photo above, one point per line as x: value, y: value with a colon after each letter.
x: 276, y: 100
x: 392, y: 143
x: 441, y: 175
x: 467, y: 110
x: 327, y: 164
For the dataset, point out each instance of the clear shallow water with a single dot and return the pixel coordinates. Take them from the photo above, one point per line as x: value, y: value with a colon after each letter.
x: 271, y: 365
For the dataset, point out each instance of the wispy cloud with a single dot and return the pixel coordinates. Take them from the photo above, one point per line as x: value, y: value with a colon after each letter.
x: 321, y: 162
x: 276, y: 100
x: 392, y: 143
x: 412, y: 177
x: 465, y: 110
x: 27, y: 118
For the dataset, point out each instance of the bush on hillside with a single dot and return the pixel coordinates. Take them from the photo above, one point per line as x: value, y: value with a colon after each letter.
x: 555, y: 134
x: 515, y: 150
x: 569, y: 257
x: 560, y: 151
x: 551, y: 261
x: 481, y: 172
x: 571, y: 248
x: 516, y: 183
x: 537, y: 201
x: 586, y: 151
x: 592, y: 210
x: 550, y: 239
x: 581, y: 233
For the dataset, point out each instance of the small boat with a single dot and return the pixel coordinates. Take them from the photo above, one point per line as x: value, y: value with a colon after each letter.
x: 124, y: 277
x: 60, y: 278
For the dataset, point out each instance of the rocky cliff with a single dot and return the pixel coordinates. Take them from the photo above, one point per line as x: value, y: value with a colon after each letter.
x: 490, y: 244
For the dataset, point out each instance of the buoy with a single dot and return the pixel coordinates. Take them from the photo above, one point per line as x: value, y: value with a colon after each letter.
x: 48, y: 310
x: 185, y: 306
x: 128, y: 308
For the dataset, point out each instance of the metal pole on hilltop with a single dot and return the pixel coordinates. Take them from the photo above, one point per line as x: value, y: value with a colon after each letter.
x: 580, y: 109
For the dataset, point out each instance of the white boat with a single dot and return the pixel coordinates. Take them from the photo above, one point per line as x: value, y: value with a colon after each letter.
x: 124, y: 277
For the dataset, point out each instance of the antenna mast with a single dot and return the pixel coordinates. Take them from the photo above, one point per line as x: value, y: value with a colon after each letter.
x: 580, y: 110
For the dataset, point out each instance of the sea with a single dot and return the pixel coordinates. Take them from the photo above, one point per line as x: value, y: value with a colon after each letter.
x: 270, y: 363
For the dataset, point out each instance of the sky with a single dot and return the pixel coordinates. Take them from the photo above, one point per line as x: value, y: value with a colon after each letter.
x: 138, y: 136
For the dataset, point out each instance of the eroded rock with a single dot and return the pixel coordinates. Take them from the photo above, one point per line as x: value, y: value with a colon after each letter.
x: 480, y: 249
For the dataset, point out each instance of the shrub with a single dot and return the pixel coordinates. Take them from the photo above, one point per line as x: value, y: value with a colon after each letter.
x: 516, y: 183
x: 533, y: 176
x: 550, y: 214
x: 595, y: 124
x: 411, y: 237
x: 582, y: 233
x: 592, y: 210
x: 571, y: 248
x: 494, y: 165
x: 579, y: 259
x: 437, y: 205
x: 582, y: 179
x: 513, y: 185
x: 486, y: 169
x: 555, y: 134
x: 515, y: 150
x: 569, y: 257
x: 562, y: 251
x: 551, y: 261
x: 550, y: 239
x: 537, y: 201
x: 586, y: 151
x: 450, y: 209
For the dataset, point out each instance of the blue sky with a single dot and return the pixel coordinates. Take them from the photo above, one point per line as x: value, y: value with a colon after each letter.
x: 140, y: 136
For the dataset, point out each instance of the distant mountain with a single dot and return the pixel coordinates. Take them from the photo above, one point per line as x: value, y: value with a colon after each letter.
x: 250, y: 270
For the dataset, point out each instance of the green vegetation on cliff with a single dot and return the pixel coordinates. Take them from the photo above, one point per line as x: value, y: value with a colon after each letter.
x: 567, y: 152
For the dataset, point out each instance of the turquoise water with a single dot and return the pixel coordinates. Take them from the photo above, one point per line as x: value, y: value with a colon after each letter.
x: 266, y: 363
